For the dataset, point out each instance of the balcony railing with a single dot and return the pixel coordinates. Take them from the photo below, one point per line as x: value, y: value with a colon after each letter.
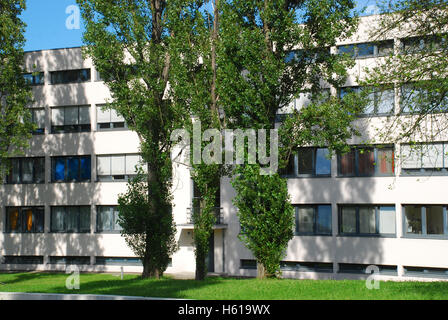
x: 217, y: 211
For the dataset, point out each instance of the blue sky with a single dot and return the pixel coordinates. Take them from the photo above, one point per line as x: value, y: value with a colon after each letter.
x: 46, y: 24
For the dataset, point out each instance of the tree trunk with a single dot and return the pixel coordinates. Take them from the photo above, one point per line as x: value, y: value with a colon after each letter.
x: 261, y: 271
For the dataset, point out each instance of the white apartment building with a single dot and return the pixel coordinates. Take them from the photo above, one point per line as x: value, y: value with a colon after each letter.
x: 58, y: 205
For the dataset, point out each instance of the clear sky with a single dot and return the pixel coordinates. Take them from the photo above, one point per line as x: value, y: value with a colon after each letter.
x: 47, y: 24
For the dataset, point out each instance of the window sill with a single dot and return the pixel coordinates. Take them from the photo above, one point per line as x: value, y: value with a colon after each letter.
x: 386, y: 236
x: 372, y: 176
x: 296, y: 234
x: 108, y: 232
x: 306, y: 176
x: 433, y: 237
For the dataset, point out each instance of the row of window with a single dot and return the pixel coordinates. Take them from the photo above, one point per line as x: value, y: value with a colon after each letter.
x: 351, y: 268
x: 76, y: 119
x: 73, y: 168
x: 69, y: 219
x: 59, y: 77
x: 372, y: 220
x: 73, y: 260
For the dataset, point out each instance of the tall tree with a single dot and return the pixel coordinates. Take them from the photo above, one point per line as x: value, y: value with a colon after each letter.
x: 15, y: 94
x: 417, y: 68
x: 273, y: 51
x: 128, y: 41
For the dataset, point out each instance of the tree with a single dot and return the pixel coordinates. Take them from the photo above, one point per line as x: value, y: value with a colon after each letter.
x: 136, y: 218
x: 15, y: 93
x: 273, y: 51
x: 418, y: 68
x: 128, y: 42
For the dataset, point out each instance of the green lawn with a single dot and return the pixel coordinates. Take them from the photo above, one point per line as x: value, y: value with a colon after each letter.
x: 221, y: 288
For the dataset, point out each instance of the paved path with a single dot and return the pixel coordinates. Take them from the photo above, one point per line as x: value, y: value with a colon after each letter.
x: 54, y: 296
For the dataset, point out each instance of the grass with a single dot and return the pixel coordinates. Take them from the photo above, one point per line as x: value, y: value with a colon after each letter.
x: 215, y: 288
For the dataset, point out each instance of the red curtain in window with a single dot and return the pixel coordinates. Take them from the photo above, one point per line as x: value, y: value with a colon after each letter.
x: 366, y: 162
x: 347, y: 163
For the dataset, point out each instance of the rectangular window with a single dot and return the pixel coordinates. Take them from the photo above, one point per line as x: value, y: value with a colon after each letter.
x: 118, y: 261
x: 366, y: 220
x: 109, y: 119
x: 25, y: 219
x: 314, y: 219
x: 117, y: 167
x: 368, y: 49
x: 425, y: 220
x: 428, y: 43
x: 35, y: 78
x: 424, y: 158
x: 26, y: 170
x: 38, y: 118
x: 73, y: 219
x: 70, y: 119
x: 306, y: 266
x: 70, y: 260
x: 70, y: 76
x: 71, y: 169
x: 381, y: 101
x: 362, y: 268
x: 366, y: 161
x: 107, y: 219
x: 24, y: 260
x: 313, y: 162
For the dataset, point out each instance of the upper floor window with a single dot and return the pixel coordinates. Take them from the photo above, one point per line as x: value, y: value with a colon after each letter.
x: 368, y: 161
x: 25, y: 219
x: 38, y: 118
x: 70, y: 219
x: 366, y: 220
x: 35, y: 78
x: 424, y: 43
x: 381, y: 101
x: 117, y: 167
x: 366, y: 50
x: 425, y: 220
x: 108, y: 119
x: 70, y: 119
x: 309, y: 162
x: 27, y: 170
x: 422, y: 158
x: 71, y: 169
x: 313, y: 219
x: 423, y: 97
x: 107, y: 219
x: 70, y: 76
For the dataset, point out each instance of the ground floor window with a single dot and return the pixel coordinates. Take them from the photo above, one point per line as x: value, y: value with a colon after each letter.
x: 75, y: 219
x: 366, y: 220
x: 313, y: 219
x: 25, y: 219
x: 425, y: 220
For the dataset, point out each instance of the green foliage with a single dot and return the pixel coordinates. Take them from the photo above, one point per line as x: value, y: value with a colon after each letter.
x: 266, y: 215
x: 15, y: 94
x: 150, y: 234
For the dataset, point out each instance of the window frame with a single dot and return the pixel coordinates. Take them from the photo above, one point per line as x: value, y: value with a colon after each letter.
x: 424, y: 229
x: 71, y: 128
x: 78, y: 218
x: 111, y: 178
x: 354, y: 51
x: 38, y: 215
x: 357, y: 233
x: 377, y: 92
x: 66, y: 158
x: 112, y: 211
x: 35, y: 166
x: 40, y: 75
x: 79, y: 78
x: 315, y: 208
x: 376, y: 162
x: 425, y: 171
x: 112, y: 126
x: 294, y: 163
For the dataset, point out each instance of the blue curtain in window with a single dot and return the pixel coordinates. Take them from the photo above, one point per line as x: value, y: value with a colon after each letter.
x: 59, y: 170
x: 86, y: 168
x: 73, y: 169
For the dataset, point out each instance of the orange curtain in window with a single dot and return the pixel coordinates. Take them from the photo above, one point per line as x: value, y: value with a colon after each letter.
x: 29, y: 219
x: 14, y: 218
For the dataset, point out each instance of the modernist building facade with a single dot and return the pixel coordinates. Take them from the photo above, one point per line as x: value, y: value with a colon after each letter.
x: 58, y: 205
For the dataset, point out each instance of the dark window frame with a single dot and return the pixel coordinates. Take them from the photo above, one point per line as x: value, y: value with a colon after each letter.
x: 38, y: 215
x: 293, y: 164
x: 34, y: 78
x: 75, y: 73
x: 315, y: 208
x: 78, y: 226
x: 66, y: 168
x: 357, y: 232
x: 377, y: 92
x: 356, y: 150
x: 424, y: 230
x: 71, y: 128
x: 9, y: 179
x: 115, y: 214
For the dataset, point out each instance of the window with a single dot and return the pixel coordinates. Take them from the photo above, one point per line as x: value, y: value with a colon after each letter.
x: 118, y: 261
x: 25, y: 219
x: 117, y: 167
x: 366, y: 220
x: 34, y: 79
x: 70, y: 76
x: 71, y: 169
x: 107, y: 219
x: 423, y: 44
x: 26, y: 170
x: 248, y: 264
x: 362, y: 268
x: 109, y: 119
x: 306, y: 266
x: 423, y: 97
x: 24, y: 260
x: 381, y: 101
x: 424, y: 158
x: 70, y: 119
x: 310, y: 162
x: 368, y: 50
x: 315, y: 219
x: 306, y: 56
x: 38, y: 118
x: 70, y: 260
x: 425, y: 220
x: 74, y: 219
x: 369, y: 161
x: 425, y: 271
